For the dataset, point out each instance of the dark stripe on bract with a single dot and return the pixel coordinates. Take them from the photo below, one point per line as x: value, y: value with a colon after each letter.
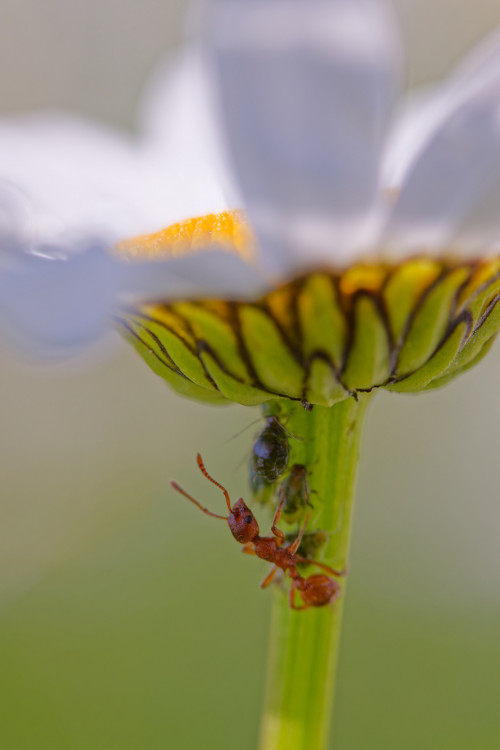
x: 134, y: 334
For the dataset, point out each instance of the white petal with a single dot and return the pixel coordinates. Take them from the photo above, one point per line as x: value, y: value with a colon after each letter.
x: 181, y: 139
x: 481, y: 63
x: 73, y: 175
x: 449, y: 177
x: 206, y: 275
x: 53, y: 303
x: 306, y: 89
x: 419, y: 114
x: 53, y: 306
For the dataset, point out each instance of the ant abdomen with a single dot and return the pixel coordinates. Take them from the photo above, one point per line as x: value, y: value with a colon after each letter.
x: 271, y: 451
x: 318, y: 590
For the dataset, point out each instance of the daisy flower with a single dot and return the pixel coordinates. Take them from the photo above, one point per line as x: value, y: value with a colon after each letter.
x: 370, y: 220
x: 288, y: 229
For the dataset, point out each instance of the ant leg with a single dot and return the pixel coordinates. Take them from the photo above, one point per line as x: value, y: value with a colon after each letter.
x: 332, y: 571
x: 210, y: 479
x: 248, y: 549
x: 291, y: 598
x: 198, y: 505
x: 296, y: 544
x: 268, y: 579
x: 277, y: 532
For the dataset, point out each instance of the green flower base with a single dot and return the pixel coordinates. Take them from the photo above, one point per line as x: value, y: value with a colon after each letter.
x: 325, y: 337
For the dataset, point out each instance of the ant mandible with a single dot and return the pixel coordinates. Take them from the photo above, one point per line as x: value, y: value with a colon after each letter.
x: 315, y: 590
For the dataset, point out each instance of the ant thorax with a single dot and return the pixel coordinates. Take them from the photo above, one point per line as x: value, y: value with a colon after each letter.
x: 242, y: 522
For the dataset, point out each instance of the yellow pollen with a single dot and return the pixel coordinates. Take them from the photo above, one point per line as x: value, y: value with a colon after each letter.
x: 228, y: 230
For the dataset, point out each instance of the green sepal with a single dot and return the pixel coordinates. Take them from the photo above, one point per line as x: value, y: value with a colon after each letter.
x: 319, y: 313
x: 480, y: 337
x: 276, y: 367
x: 368, y: 360
x: 429, y: 323
x: 321, y: 338
x: 404, y: 287
x: 214, y: 333
x: 483, y: 285
x: 323, y: 386
x: 435, y: 367
x: 185, y: 357
x: 177, y: 381
x: 233, y: 389
x: 455, y: 372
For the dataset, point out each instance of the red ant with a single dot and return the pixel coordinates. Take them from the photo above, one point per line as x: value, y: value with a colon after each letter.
x: 316, y: 590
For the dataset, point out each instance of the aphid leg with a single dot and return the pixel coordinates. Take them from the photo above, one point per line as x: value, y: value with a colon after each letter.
x: 277, y: 532
x: 296, y: 544
x: 198, y: 505
x: 248, y: 549
x: 291, y: 598
x: 268, y: 579
x: 211, y: 479
x: 295, y: 437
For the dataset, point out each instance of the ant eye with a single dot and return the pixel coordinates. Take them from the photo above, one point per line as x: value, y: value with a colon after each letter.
x: 249, y: 519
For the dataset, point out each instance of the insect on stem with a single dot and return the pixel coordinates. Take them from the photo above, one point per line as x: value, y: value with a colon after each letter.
x: 316, y: 590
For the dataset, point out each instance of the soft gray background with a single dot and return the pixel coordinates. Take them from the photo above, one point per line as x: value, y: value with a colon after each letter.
x: 122, y: 611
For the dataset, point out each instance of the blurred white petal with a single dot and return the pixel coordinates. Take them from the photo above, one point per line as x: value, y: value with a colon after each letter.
x: 444, y: 161
x: 209, y: 274
x: 69, y: 189
x: 482, y: 62
x: 424, y: 110
x: 306, y: 89
x: 53, y: 305
x: 76, y: 177
x: 73, y: 175
x: 181, y: 137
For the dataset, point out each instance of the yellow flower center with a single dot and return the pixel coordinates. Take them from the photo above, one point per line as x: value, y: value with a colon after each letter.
x: 228, y: 230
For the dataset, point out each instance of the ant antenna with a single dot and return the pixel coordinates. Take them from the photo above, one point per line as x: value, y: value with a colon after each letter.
x: 207, y: 475
x: 198, y: 505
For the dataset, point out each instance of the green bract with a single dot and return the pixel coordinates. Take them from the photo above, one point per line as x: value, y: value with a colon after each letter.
x: 325, y: 336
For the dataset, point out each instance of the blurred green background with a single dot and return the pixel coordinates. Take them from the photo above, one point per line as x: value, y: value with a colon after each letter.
x: 127, y: 619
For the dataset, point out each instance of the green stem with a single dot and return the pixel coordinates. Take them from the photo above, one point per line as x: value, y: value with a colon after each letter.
x: 304, y: 644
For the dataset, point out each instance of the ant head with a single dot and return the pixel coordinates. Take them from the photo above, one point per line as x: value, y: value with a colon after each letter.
x: 242, y: 522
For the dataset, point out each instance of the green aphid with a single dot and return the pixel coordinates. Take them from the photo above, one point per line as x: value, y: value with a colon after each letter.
x: 262, y: 490
x: 295, y: 493
x: 311, y: 543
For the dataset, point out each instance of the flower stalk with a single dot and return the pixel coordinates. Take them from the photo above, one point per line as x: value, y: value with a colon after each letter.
x: 304, y: 644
